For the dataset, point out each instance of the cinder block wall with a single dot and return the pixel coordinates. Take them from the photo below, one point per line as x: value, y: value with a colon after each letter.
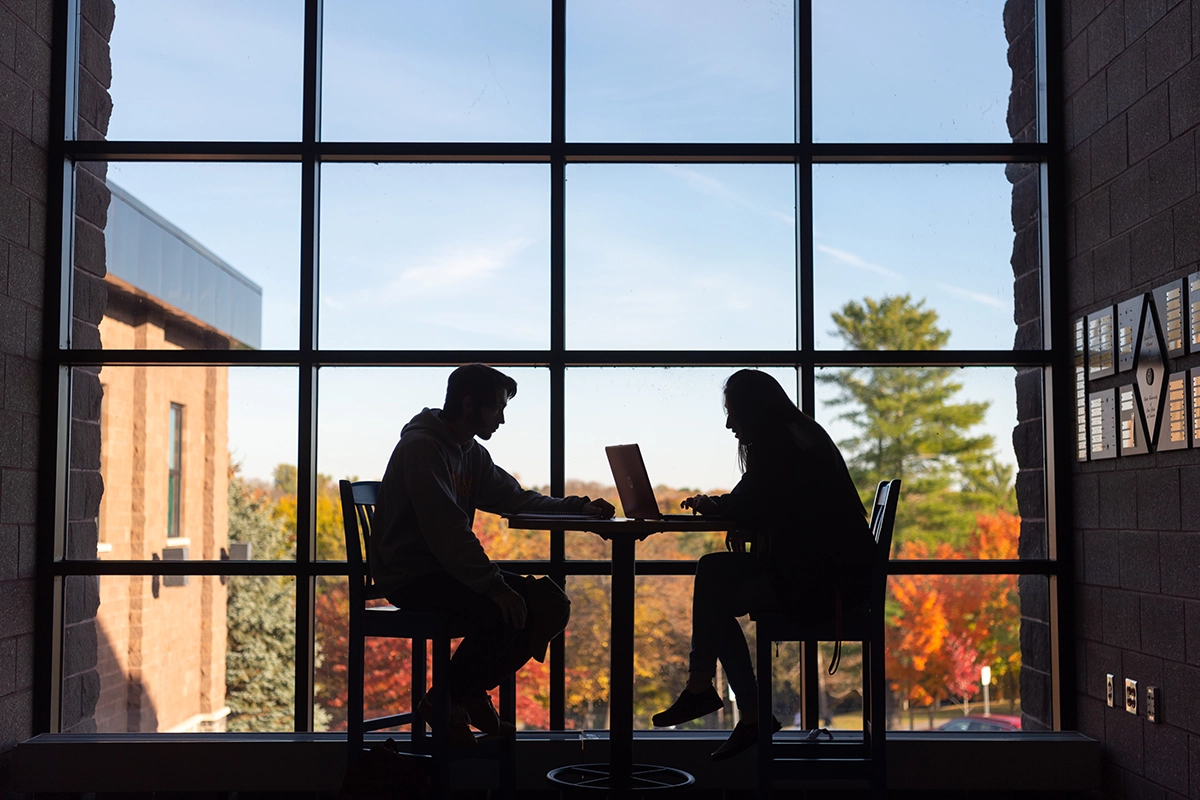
x: 24, y: 108
x: 25, y: 66
x: 1132, y: 94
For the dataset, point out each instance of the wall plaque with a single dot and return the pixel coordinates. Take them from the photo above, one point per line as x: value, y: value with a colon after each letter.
x: 1168, y: 300
x: 1151, y: 372
x: 1174, y: 434
x: 1129, y: 417
x: 1080, y: 367
x: 1102, y: 417
x: 1100, y: 343
x: 1129, y: 315
x: 1194, y: 312
x: 1195, y: 406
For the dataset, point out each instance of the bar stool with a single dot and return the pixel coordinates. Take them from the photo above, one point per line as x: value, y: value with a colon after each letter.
x: 358, y: 509
x: 836, y: 759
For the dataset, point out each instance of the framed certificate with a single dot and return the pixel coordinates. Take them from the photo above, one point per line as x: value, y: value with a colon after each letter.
x: 1102, y: 424
x: 1079, y: 365
x: 1100, y: 343
x: 1129, y: 417
x: 1174, y: 433
x: 1168, y: 300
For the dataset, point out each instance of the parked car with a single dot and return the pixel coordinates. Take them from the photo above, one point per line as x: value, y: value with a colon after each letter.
x: 977, y: 722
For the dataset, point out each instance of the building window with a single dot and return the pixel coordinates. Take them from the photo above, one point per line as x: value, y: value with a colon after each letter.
x: 174, y: 470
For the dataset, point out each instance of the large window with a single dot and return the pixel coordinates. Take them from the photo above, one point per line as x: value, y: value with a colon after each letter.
x: 300, y: 215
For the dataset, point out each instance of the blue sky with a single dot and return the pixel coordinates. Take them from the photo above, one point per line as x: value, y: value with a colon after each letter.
x: 449, y: 256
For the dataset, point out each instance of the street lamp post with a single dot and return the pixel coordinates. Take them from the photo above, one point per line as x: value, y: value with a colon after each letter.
x: 985, y: 677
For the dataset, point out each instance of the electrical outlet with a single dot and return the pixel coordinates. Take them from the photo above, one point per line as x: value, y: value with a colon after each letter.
x: 1153, y: 703
x: 1131, y: 696
x: 1111, y: 691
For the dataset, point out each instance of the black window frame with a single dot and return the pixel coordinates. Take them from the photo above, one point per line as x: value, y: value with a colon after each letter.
x: 53, y: 565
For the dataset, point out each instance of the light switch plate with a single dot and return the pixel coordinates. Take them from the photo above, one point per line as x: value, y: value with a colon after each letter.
x: 1111, y: 692
x: 1131, y: 696
x: 1153, y: 703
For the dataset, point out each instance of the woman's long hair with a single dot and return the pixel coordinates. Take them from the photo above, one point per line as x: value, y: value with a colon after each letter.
x: 770, y: 421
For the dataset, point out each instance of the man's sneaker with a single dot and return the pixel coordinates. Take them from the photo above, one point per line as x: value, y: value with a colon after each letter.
x: 484, y: 717
x: 689, y: 706
x: 459, y: 734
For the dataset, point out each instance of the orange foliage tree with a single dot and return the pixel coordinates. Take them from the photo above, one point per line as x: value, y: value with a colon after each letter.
x: 943, y: 628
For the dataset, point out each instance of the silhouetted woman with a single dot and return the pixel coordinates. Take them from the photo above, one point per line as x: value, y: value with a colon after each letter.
x: 809, y: 540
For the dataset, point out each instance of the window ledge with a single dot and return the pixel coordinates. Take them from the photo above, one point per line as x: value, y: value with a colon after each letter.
x: 1051, y: 761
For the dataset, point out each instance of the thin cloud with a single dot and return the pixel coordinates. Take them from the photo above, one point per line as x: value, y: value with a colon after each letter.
x: 719, y: 190
x: 707, y: 184
x: 463, y: 267
x: 978, y: 297
x: 855, y: 260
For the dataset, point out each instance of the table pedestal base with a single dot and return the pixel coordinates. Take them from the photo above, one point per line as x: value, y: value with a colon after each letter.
x: 644, y: 778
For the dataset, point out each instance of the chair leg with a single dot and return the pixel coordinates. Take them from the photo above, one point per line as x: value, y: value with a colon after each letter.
x: 508, y: 761
x: 354, y: 693
x: 441, y: 729
x: 878, y: 715
x: 418, y: 689
x: 762, y: 650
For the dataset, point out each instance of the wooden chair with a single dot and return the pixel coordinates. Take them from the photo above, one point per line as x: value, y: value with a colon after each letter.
x: 835, y: 759
x: 358, y: 509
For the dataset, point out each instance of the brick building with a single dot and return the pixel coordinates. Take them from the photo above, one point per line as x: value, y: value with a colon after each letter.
x: 164, y: 460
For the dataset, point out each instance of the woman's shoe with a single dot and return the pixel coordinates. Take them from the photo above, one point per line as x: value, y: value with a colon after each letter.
x: 689, y: 706
x: 744, y: 736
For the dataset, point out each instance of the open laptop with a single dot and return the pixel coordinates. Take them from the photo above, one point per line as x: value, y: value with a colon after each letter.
x: 633, y: 484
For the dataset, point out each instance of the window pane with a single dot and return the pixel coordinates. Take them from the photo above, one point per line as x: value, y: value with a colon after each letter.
x: 187, y: 256
x: 973, y: 469
x: 677, y: 418
x: 218, y: 69
x: 662, y: 639
x: 179, y: 654
x: 435, y: 256
x: 688, y: 257
x: 236, y: 426
x: 587, y: 653
x: 361, y: 412
x: 939, y: 235
x: 464, y: 71
x: 942, y: 631
x: 922, y: 71
x: 680, y: 71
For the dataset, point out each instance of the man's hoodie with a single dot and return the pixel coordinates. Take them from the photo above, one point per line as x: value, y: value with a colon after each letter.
x: 427, y: 503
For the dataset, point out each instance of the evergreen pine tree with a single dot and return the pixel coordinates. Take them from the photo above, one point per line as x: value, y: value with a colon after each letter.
x: 260, y: 652
x: 908, y: 424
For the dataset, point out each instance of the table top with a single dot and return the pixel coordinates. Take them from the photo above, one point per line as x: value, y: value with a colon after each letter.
x: 620, y: 527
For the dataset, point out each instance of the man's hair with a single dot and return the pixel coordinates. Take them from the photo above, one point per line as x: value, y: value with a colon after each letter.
x: 479, y: 382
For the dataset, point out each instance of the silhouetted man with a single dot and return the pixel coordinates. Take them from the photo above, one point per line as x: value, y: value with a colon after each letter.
x: 425, y: 556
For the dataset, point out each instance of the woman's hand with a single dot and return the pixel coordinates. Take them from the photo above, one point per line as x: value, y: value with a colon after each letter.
x: 700, y: 504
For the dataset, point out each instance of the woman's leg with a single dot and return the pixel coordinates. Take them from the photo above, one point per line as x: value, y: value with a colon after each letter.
x: 727, y: 586
x: 739, y: 669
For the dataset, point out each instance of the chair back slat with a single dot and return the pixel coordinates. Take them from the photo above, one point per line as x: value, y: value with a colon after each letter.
x: 358, y: 514
x: 883, y: 521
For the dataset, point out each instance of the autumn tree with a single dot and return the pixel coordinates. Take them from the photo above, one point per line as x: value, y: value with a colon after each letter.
x: 331, y: 544
x: 943, y: 628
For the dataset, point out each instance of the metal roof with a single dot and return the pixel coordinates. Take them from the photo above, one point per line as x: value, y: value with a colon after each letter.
x: 150, y: 253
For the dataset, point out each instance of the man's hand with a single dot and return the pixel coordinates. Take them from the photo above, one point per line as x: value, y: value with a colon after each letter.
x: 600, y: 507
x: 700, y: 504
x: 512, y: 608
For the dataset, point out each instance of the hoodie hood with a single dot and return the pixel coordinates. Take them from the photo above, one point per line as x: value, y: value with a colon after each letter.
x: 429, y: 422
